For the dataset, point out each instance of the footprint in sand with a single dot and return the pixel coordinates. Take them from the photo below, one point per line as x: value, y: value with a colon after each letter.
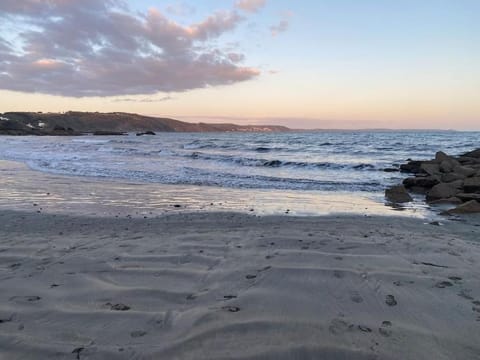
x: 338, y: 274
x: 138, y: 333
x: 338, y: 326
x: 390, y: 300
x: 384, y: 329
x: 22, y: 299
x: 443, y: 284
x: 355, y: 297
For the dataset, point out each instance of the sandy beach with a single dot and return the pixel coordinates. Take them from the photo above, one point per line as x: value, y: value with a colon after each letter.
x: 233, y: 286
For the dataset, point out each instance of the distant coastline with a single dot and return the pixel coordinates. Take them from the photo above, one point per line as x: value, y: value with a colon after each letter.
x: 73, y: 123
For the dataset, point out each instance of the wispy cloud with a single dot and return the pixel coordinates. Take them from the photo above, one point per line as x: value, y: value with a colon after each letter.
x: 144, y: 100
x: 282, y: 26
x: 101, y: 48
x: 251, y: 6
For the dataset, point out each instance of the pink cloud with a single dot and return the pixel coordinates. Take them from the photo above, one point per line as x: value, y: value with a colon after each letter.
x: 99, y: 48
x: 250, y: 5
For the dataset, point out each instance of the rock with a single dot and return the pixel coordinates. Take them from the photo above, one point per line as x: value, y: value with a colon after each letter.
x: 106, y: 133
x: 146, y: 133
x: 468, y: 196
x: 440, y: 156
x: 448, y: 165
x: 397, y: 194
x: 453, y: 200
x: 430, y: 169
x: 464, y: 170
x: 469, y: 207
x: 422, y: 182
x: 473, y: 154
x: 472, y: 184
x: 465, y: 160
x: 412, y: 166
x: 391, y: 170
x: 444, y: 190
x: 59, y: 128
x: 451, y: 177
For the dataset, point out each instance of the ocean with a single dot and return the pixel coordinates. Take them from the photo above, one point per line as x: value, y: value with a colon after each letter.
x: 271, y: 166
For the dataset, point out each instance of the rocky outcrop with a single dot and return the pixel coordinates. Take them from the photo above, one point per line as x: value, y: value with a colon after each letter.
x: 397, y: 194
x: 447, y: 180
x: 145, y: 133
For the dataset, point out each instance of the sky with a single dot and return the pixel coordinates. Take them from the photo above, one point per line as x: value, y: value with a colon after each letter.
x: 304, y: 64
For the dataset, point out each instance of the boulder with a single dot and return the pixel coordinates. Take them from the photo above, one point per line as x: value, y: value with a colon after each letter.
x: 430, y: 169
x: 466, y: 171
x: 472, y: 154
x: 426, y: 182
x: 468, y: 196
x: 450, y: 177
x: 412, y: 166
x: 146, y: 133
x: 469, y: 207
x: 444, y: 190
x: 397, y: 194
x: 453, y: 200
x: 441, y: 156
x: 472, y: 184
x: 465, y: 160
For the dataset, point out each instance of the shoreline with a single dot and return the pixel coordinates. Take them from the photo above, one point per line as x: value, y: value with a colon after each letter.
x: 27, y: 189
x: 228, y: 285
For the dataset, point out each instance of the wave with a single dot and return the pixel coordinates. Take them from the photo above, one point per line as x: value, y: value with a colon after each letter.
x: 275, y: 163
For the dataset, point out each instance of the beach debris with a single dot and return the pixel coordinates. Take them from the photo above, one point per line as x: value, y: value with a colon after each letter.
x: 77, y: 351
x: 118, y: 307
x: 364, y: 328
x: 232, y: 309
x: 390, y: 300
x: 250, y: 276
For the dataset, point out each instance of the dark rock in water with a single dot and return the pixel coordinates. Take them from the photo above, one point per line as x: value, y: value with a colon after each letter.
x: 441, y: 156
x: 413, y: 166
x: 146, y: 133
x: 108, y: 133
x: 391, y: 170
x: 273, y: 163
x: 398, y: 194
x: 469, y: 207
x: 472, y: 154
x: 444, y: 190
x: 422, y: 182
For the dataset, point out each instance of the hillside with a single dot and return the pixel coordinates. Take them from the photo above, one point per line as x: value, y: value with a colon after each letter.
x: 77, y: 123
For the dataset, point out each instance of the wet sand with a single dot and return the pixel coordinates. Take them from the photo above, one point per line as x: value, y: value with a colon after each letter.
x: 232, y: 286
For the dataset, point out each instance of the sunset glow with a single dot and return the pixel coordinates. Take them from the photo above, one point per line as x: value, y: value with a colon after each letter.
x: 325, y: 64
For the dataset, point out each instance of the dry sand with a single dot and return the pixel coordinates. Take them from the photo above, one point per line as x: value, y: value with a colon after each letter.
x: 231, y: 286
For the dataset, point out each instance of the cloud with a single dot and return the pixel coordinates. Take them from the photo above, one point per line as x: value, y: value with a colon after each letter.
x: 144, y: 100
x: 251, y: 6
x: 100, y: 48
x: 282, y: 26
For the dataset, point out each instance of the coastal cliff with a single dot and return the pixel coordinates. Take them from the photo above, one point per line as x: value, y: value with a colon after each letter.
x: 78, y: 123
